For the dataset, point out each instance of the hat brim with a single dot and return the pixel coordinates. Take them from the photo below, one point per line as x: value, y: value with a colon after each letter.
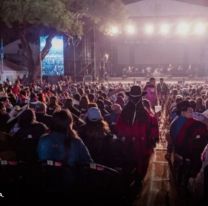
x: 136, y: 96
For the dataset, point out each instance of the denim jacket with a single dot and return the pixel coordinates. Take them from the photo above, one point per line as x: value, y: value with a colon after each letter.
x: 51, y: 147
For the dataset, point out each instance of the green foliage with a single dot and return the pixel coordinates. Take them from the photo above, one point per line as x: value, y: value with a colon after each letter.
x: 65, y: 16
x: 48, y: 13
x: 100, y: 11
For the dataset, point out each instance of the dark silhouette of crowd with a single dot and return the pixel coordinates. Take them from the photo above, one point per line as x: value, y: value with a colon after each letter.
x: 93, y: 141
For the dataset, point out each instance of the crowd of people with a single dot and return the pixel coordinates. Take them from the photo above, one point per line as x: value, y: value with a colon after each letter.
x: 170, y: 70
x: 112, y: 124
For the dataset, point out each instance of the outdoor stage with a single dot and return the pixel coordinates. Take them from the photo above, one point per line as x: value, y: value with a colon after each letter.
x: 166, y: 79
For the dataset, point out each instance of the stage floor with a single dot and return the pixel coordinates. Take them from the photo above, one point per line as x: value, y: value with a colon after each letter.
x: 166, y: 79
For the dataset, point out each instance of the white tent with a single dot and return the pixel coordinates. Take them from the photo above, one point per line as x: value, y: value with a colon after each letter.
x: 9, y: 73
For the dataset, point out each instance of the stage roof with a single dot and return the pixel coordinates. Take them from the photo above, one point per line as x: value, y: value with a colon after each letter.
x: 198, y: 2
x: 159, y: 8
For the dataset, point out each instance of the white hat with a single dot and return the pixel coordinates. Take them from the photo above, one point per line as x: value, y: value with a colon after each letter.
x: 93, y: 114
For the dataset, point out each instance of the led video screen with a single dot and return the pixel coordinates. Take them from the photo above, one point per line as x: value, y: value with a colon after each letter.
x: 53, y: 63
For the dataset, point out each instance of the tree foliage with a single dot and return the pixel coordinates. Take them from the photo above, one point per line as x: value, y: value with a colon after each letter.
x: 48, y: 13
x: 65, y: 16
x: 56, y: 16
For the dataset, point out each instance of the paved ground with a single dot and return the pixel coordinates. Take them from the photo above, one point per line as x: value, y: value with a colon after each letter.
x: 159, y: 188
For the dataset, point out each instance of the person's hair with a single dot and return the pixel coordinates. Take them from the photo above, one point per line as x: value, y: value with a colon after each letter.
x: 77, y: 97
x: 193, y: 104
x: 91, y: 97
x: 100, y: 104
x: 26, y: 118
x: 63, y: 123
x: 147, y: 106
x: 80, y: 91
x: 206, y: 103
x: 23, y: 92
x: 53, y: 100
x: 183, y: 106
x: 84, y: 101
x: 2, y: 106
x: 68, y: 103
x: 97, y: 129
x: 134, y: 106
x: 40, y: 108
x: 92, y: 105
x: 41, y: 97
x: 199, y: 100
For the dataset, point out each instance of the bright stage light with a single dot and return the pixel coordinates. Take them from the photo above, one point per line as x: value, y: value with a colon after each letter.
x: 113, y: 31
x: 149, y: 29
x: 130, y: 29
x: 200, y: 29
x: 183, y: 28
x: 164, y: 29
x: 106, y: 56
x: 57, y: 43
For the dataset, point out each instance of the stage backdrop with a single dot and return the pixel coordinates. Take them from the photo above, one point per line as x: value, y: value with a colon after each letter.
x: 53, y: 63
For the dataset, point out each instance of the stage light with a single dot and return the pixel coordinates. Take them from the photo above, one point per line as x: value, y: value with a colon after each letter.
x: 183, y: 28
x: 57, y: 43
x: 149, y: 29
x: 113, y: 31
x: 200, y: 29
x: 130, y: 29
x: 164, y: 29
x: 106, y: 56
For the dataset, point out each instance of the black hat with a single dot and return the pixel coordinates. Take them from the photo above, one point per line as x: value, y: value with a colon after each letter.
x: 135, y: 92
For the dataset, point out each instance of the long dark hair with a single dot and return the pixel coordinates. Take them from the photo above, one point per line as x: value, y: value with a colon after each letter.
x: 97, y: 129
x: 63, y: 123
x: 26, y: 118
x: 134, y: 111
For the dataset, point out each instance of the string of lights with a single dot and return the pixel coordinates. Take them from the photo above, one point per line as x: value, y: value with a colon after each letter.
x: 182, y: 29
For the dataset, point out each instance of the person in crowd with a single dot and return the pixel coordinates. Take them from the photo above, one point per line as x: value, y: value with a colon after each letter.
x: 184, y: 112
x: 137, y: 126
x: 91, y: 97
x: 27, y: 136
x: 53, y: 105
x: 162, y: 91
x: 83, y: 104
x: 148, y: 107
x: 114, y: 116
x: 11, y: 96
x: 189, y: 136
x: 16, y: 88
x: 41, y: 115
x: 151, y: 92
x: 68, y: 104
x: 101, y: 106
x: 63, y: 143
x: 120, y: 99
x: 174, y: 108
x: 206, y: 104
x: 97, y: 136
x: 200, y: 107
x: 22, y: 98
x: 4, y: 117
x: 5, y: 100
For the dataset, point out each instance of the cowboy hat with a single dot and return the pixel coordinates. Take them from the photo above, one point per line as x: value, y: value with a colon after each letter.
x: 135, y: 92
